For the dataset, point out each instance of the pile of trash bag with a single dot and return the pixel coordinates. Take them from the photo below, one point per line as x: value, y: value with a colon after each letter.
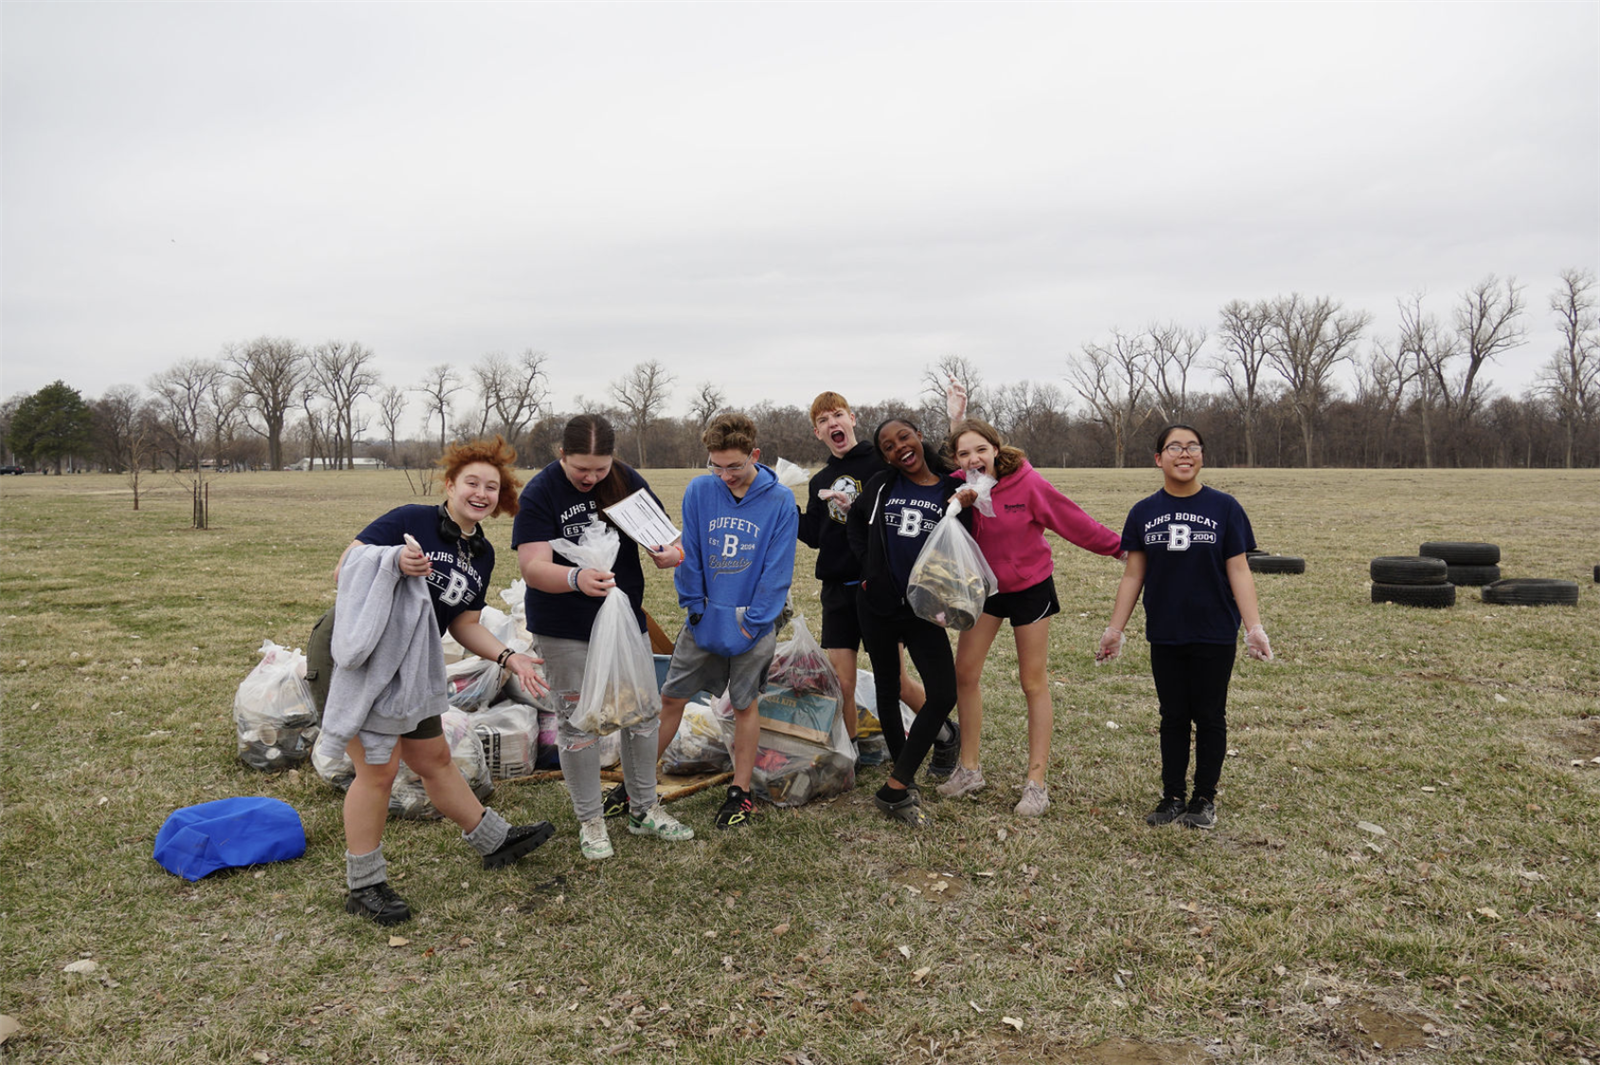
x: 698, y: 746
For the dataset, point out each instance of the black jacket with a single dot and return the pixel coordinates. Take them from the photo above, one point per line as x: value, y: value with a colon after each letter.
x: 867, y: 532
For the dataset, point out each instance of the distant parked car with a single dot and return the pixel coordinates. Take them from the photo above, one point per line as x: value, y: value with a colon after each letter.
x: 18, y: 470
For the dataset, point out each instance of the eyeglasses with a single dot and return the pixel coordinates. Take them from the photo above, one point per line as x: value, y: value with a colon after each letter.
x: 736, y: 468
x: 1184, y: 449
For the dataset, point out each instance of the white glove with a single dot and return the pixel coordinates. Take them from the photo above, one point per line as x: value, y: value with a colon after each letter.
x: 1257, y: 645
x: 955, y: 400
x: 1111, y: 642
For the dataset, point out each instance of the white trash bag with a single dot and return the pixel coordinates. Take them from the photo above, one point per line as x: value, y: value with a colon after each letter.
x: 274, y: 717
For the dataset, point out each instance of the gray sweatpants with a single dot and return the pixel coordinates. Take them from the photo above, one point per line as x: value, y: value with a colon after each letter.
x: 580, y: 751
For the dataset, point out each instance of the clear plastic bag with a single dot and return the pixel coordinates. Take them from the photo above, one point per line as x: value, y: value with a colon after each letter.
x: 790, y: 771
x: 698, y: 746
x: 802, y: 696
x: 871, y: 747
x: 983, y: 485
x: 274, y: 716
x: 791, y: 476
x: 619, y: 677
x: 950, y: 578
x: 509, y: 735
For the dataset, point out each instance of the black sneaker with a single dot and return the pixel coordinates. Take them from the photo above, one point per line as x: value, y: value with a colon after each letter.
x: 615, y: 804
x: 946, y: 754
x: 520, y: 839
x: 1202, y: 813
x: 1167, y: 811
x: 738, y: 810
x: 378, y: 902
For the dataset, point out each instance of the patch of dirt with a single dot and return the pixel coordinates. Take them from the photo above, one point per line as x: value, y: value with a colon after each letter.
x: 934, y: 886
x: 1580, y: 738
x: 1363, y: 1028
x: 1137, y: 1052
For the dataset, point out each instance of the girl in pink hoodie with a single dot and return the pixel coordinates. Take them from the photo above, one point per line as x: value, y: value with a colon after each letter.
x: 1013, y: 541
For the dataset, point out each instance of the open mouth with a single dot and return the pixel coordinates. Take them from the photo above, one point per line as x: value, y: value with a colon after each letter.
x: 907, y: 457
x: 837, y: 436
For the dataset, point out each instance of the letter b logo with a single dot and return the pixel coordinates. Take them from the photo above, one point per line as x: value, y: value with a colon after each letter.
x: 730, y: 545
x: 1178, y: 537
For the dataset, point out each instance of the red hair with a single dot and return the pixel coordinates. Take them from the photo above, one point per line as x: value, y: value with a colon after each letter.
x: 497, y: 453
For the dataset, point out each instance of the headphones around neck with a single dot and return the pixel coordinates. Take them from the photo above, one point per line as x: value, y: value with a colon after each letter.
x: 449, y: 531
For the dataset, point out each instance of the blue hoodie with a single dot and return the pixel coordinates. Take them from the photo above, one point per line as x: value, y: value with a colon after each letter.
x: 738, y: 560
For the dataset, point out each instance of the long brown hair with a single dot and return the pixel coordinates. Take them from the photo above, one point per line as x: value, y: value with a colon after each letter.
x: 592, y: 434
x: 1007, y: 459
x: 497, y: 453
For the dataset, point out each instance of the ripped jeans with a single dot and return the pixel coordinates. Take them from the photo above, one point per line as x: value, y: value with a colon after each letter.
x: 580, y: 751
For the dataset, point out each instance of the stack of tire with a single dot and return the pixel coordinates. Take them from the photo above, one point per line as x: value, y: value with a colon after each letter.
x: 1412, y: 580
x: 1467, y: 563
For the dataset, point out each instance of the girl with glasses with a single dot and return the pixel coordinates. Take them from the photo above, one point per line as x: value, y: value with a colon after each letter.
x: 1186, y: 549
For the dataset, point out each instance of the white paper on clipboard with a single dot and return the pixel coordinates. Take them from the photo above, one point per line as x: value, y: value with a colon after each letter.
x: 642, y: 518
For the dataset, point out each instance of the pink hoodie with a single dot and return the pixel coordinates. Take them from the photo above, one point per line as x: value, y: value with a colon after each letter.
x: 1025, y: 504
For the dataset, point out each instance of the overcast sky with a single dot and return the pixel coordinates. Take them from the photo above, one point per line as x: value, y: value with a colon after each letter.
x: 781, y: 198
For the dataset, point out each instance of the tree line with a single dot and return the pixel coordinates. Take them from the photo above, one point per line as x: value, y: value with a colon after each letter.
x: 1276, y: 370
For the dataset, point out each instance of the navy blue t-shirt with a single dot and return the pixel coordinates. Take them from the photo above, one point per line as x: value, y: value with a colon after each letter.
x: 1187, y: 541
x: 910, y: 511
x: 458, y: 584
x: 552, y: 509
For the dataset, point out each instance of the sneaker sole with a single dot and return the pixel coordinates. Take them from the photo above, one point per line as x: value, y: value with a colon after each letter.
x: 961, y: 793
x: 1204, y: 827
x: 688, y: 834
x: 500, y: 859
x: 599, y: 856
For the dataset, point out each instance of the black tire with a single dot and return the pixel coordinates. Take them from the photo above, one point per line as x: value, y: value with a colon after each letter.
x: 1276, y: 564
x: 1597, y: 574
x: 1474, y: 575
x: 1461, y: 554
x: 1531, y: 591
x: 1409, y: 569
x: 1429, y: 595
x: 1253, y: 551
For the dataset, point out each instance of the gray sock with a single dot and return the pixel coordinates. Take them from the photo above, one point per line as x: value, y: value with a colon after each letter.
x: 490, y: 833
x: 364, y: 870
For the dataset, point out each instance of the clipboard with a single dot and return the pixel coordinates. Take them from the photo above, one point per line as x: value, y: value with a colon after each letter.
x: 642, y: 518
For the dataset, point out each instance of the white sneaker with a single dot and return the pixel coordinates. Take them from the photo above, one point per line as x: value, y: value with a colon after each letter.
x: 593, y: 840
x: 962, y: 782
x: 660, y: 824
x: 1035, y: 800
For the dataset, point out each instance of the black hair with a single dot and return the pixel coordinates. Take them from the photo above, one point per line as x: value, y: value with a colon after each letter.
x: 1161, y: 440
x: 931, y: 456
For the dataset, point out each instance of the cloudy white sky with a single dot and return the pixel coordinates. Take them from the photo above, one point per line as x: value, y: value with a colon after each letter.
x: 778, y: 197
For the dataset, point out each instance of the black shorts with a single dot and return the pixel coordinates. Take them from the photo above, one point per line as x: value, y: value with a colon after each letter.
x: 1026, y: 606
x: 319, y: 674
x: 841, y: 623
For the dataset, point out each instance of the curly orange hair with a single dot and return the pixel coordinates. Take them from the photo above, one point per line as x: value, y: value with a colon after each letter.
x: 497, y: 453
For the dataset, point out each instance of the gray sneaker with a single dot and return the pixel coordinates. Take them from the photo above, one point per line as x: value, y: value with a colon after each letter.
x: 1167, y: 811
x: 1035, y: 800
x: 1202, y: 813
x: 962, y: 782
x: 908, y: 811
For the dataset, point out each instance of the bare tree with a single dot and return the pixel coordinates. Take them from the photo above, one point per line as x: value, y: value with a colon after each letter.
x: 642, y: 393
x: 1307, y: 341
x: 269, y: 372
x: 114, y: 417
x: 183, y: 391
x: 1487, y: 323
x: 707, y: 403
x: 1244, y: 332
x: 224, y: 414
x: 1383, y: 382
x: 341, y: 372
x: 1424, y: 345
x: 513, y: 392
x: 1572, y: 376
x: 1173, y: 350
x: 438, y: 386
x: 391, y: 408
x: 1111, y: 379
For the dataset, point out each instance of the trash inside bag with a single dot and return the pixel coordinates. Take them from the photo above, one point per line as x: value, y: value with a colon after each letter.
x: 274, y: 718
x: 508, y: 732
x: 790, y: 771
x: 697, y: 747
x: 950, y: 578
x: 871, y: 747
x: 619, y: 676
x: 408, y: 799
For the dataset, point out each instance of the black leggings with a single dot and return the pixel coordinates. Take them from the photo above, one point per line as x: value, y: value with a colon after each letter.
x: 929, y: 648
x: 1192, y: 684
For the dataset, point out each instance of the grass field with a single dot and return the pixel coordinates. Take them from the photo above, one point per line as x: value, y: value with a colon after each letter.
x: 1466, y: 929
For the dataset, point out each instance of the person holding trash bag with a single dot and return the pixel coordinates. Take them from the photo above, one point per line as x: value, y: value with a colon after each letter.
x: 888, y: 525
x: 1186, y: 549
x: 406, y: 578
x: 563, y: 601
x: 1022, y: 505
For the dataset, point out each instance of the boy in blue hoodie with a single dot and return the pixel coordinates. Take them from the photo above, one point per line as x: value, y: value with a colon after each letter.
x: 739, y: 529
